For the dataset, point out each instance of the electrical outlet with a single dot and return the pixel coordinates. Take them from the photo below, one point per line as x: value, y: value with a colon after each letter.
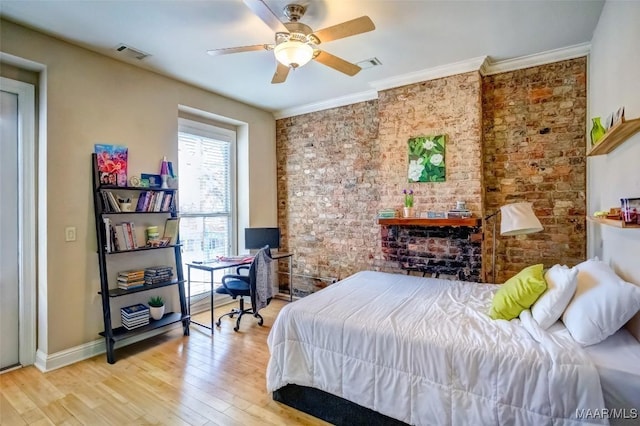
x: 70, y: 233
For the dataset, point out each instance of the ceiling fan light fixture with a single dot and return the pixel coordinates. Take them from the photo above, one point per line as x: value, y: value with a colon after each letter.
x: 293, y: 53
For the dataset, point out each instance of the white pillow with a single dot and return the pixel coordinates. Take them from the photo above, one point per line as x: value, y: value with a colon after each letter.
x: 561, y: 286
x: 603, y: 303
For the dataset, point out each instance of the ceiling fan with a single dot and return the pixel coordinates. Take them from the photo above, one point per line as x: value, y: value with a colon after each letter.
x: 296, y: 43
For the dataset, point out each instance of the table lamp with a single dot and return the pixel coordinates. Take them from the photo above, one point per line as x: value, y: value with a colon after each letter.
x: 517, y: 219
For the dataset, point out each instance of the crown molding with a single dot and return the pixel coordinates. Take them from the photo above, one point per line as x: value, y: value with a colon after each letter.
x: 543, y: 58
x: 447, y: 70
x: 328, y: 104
x: 483, y: 64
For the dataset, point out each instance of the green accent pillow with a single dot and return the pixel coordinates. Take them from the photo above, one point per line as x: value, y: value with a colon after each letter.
x: 518, y: 293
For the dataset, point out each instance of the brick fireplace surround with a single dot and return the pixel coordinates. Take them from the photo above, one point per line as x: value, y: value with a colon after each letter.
x: 452, y: 251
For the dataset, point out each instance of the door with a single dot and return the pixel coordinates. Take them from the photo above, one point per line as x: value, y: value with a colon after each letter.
x: 9, y: 269
x: 18, y: 257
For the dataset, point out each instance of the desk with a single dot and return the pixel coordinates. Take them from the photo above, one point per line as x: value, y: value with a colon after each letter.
x: 211, y: 266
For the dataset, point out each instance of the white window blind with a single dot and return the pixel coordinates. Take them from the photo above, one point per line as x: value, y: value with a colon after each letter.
x: 206, y: 165
x: 207, y: 171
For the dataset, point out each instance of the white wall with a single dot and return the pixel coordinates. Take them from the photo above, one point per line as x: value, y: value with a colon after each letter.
x: 89, y: 99
x: 614, y: 70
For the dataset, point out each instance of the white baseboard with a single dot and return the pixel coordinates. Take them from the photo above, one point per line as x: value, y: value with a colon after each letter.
x: 49, y: 362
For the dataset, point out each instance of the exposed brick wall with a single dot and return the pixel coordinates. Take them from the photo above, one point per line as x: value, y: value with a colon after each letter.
x: 448, y: 106
x: 511, y: 137
x: 534, y: 150
x: 338, y: 167
x: 328, y: 190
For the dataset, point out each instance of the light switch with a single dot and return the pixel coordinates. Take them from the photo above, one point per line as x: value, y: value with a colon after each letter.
x: 70, y: 233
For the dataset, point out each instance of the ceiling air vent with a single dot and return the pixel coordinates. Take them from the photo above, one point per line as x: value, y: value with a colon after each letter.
x: 369, y: 63
x: 131, y: 52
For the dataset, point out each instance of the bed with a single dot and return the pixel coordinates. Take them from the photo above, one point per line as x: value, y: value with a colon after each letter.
x: 380, y: 348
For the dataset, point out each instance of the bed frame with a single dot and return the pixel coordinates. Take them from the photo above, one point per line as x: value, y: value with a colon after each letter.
x: 331, y: 408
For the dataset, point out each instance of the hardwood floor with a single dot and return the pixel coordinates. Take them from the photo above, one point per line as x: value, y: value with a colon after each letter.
x: 169, y: 379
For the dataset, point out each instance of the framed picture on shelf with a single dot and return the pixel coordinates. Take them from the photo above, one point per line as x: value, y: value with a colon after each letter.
x: 112, y: 164
x: 155, y: 181
x: 618, y: 116
x: 171, y: 228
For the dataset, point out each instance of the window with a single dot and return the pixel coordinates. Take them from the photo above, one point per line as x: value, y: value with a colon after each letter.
x: 206, y: 161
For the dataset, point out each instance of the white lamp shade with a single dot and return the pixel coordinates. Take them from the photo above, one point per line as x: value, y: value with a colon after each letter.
x: 518, y: 218
x: 293, y: 53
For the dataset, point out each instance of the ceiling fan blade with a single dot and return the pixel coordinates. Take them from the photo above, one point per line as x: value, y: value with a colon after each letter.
x: 268, y: 17
x: 282, y: 71
x: 227, y: 50
x: 359, y: 25
x: 337, y: 64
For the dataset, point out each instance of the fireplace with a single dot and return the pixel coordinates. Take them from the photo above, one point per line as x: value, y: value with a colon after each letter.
x: 448, y: 247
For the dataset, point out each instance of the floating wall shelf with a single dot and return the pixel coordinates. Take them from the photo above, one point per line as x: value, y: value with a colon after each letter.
x: 612, y: 222
x: 615, y: 136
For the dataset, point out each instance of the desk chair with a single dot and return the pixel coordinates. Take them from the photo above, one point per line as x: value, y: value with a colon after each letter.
x: 256, y: 284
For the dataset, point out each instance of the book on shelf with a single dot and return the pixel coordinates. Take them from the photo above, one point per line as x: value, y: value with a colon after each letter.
x: 163, y: 274
x: 459, y: 214
x: 136, y: 323
x: 158, y: 268
x: 131, y: 325
x: 107, y: 234
x: 133, y: 320
x: 157, y: 203
x: 120, y: 238
x: 158, y: 280
x: 147, y: 200
x: 106, y: 205
x: 131, y: 287
x: 131, y: 281
x: 387, y: 213
x: 137, y: 308
x: 114, y: 206
x: 131, y: 273
x: 135, y: 316
x: 166, y: 202
x: 132, y: 234
x: 140, y: 202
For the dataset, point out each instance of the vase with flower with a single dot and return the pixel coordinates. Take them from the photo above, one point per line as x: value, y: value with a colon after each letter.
x: 407, y: 210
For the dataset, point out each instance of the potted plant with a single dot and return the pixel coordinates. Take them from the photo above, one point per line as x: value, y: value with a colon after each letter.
x: 156, y: 307
x: 407, y: 210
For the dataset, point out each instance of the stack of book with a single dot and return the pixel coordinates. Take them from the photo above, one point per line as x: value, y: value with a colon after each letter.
x: 459, y: 213
x: 158, y: 274
x: 131, y: 279
x: 134, y: 316
x: 386, y: 213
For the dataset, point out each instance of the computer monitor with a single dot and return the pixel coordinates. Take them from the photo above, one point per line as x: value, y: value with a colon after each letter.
x: 256, y: 238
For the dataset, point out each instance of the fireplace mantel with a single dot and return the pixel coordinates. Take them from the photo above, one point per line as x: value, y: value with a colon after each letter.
x: 415, y: 221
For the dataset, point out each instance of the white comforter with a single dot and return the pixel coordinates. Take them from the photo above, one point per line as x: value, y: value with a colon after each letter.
x: 424, y: 351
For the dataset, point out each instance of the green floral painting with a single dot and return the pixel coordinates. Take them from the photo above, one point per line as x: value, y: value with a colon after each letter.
x: 426, y: 159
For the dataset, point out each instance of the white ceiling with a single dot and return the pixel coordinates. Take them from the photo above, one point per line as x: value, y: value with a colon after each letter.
x: 410, y: 36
